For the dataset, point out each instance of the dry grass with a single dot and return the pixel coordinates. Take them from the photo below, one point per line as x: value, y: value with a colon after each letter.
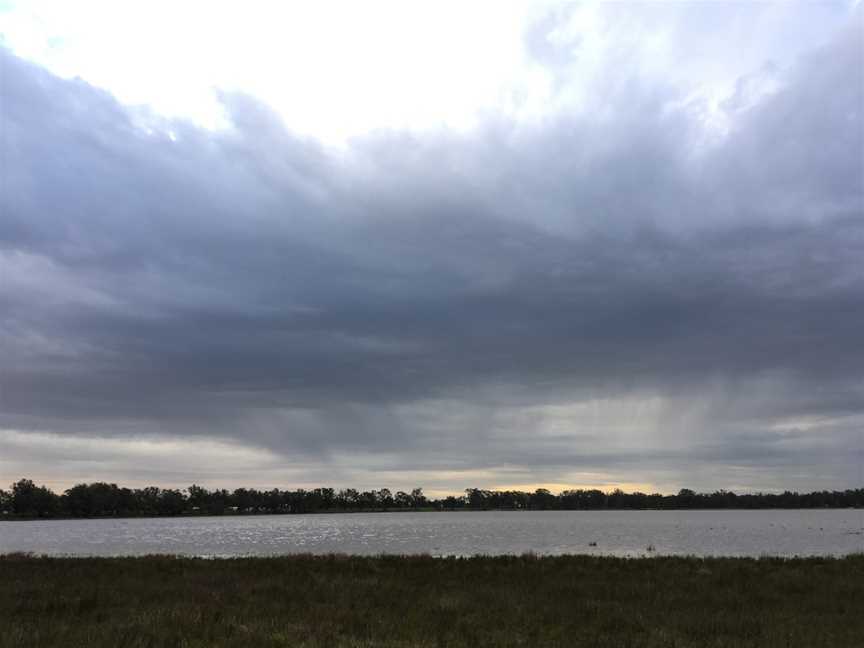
x: 342, y: 601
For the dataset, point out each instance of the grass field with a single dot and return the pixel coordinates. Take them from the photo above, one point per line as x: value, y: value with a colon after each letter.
x: 346, y: 601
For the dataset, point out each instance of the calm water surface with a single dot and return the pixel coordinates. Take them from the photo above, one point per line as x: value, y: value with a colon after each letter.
x: 627, y: 533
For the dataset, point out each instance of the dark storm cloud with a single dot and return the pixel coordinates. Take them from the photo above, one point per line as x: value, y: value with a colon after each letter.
x: 250, y: 284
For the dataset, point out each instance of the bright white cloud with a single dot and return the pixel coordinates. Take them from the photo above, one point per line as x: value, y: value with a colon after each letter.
x: 337, y: 69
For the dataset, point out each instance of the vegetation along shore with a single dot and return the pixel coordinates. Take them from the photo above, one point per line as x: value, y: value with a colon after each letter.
x: 25, y: 499
x: 419, y: 601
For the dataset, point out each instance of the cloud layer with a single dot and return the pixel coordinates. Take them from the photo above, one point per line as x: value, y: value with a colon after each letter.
x: 644, y: 289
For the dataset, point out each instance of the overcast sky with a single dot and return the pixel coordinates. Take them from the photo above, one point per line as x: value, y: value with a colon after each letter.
x: 443, y: 245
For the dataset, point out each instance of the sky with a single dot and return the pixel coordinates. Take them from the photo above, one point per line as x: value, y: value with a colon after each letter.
x: 445, y: 245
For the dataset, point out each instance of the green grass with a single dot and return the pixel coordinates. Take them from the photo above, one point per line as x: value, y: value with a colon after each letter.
x: 338, y: 601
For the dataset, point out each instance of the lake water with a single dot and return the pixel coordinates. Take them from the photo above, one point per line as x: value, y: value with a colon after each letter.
x: 620, y: 533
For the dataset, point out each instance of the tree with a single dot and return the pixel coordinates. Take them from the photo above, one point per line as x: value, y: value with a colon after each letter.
x: 31, y: 500
x: 147, y: 500
x: 385, y: 498
x: 91, y: 500
x: 542, y: 499
x: 244, y: 500
x: 348, y: 498
x: 368, y: 500
x: 477, y: 498
x: 686, y: 497
x: 198, y: 497
x: 5, y: 502
x: 418, y: 499
x: 450, y: 502
x: 171, y: 502
x: 327, y: 495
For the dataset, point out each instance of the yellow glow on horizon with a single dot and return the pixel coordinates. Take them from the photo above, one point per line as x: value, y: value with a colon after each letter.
x: 558, y: 487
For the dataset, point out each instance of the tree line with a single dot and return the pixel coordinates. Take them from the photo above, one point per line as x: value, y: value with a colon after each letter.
x: 25, y: 499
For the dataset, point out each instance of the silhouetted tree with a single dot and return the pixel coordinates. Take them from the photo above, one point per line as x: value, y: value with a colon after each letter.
x: 198, y: 497
x: 171, y: 502
x: 451, y: 503
x: 93, y: 500
x: 385, y: 498
x: 476, y: 498
x: 147, y: 500
x: 418, y: 499
x: 29, y: 500
x: 542, y: 499
x: 686, y: 498
x: 101, y: 499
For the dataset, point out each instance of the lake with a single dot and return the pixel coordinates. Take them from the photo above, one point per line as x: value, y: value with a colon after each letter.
x: 620, y: 533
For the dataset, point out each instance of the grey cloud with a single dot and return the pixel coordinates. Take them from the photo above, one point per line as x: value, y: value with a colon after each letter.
x: 251, y: 285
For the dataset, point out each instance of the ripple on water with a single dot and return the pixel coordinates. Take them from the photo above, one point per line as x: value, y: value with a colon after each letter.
x: 617, y: 533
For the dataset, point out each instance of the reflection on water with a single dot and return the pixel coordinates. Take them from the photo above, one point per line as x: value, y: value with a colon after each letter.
x: 627, y: 533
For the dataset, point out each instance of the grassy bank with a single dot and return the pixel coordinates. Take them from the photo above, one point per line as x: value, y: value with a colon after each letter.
x: 420, y: 601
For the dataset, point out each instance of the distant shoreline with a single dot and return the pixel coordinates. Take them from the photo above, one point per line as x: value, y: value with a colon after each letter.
x: 26, y: 500
x: 10, y: 518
